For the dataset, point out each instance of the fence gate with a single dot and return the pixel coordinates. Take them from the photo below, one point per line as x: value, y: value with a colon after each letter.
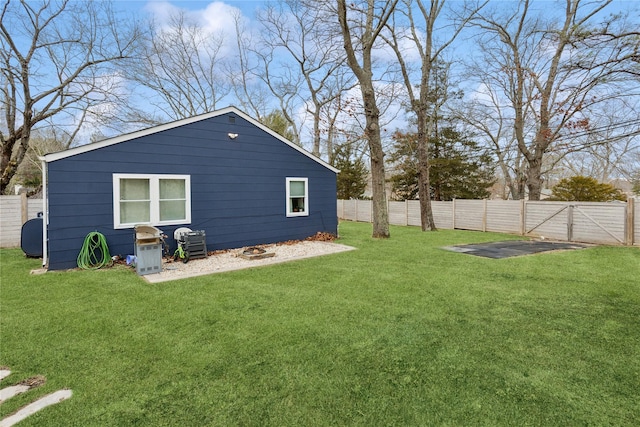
x: 579, y: 222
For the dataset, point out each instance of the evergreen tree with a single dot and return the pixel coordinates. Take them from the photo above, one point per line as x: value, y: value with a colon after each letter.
x: 352, y: 179
x: 585, y: 189
x: 277, y: 122
x: 404, y: 172
x: 459, y: 169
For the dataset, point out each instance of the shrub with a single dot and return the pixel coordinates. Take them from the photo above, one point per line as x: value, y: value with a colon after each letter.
x: 585, y: 189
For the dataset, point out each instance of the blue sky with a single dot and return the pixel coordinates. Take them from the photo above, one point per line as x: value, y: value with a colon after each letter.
x: 248, y: 7
x: 216, y: 15
x: 142, y: 7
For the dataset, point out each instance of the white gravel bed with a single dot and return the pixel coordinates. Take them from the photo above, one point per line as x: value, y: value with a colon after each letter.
x: 231, y: 260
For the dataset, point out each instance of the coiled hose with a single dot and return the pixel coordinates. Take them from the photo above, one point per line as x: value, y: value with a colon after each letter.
x: 88, y: 258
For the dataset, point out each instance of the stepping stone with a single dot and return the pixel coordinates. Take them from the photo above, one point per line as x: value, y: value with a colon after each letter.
x: 14, y: 390
x: 4, y: 373
x: 48, y: 400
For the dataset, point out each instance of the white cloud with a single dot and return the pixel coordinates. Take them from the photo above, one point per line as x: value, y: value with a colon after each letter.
x: 161, y: 10
x: 406, y: 45
x: 218, y: 17
x: 214, y: 18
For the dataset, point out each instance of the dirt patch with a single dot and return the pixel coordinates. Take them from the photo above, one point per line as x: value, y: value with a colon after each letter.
x: 36, y: 381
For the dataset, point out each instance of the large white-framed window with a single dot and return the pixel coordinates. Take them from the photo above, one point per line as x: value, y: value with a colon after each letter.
x: 154, y: 199
x: 297, y: 196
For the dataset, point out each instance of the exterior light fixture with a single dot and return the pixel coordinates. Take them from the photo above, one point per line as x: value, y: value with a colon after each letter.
x: 232, y: 135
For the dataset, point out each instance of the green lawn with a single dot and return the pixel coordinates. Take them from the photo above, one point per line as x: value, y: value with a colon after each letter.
x: 398, y: 332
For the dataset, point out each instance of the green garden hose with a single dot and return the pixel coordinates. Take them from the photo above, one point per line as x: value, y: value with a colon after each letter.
x: 88, y: 257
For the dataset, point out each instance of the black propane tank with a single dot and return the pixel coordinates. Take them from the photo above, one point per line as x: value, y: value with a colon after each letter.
x: 31, y: 237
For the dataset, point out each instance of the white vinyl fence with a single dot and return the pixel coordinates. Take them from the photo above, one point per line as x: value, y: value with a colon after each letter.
x: 15, y: 211
x: 616, y: 223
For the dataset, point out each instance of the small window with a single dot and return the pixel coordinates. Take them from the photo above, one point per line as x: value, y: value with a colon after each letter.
x: 297, y: 197
x: 173, y: 199
x: 151, y: 199
x: 135, y: 201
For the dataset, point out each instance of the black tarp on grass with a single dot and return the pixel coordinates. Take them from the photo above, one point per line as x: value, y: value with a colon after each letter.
x: 513, y: 248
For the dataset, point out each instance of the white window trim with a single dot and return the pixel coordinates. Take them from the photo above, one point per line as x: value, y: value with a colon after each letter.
x: 306, y: 197
x: 154, y: 193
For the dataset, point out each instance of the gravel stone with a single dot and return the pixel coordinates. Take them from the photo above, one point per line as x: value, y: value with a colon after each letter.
x: 230, y: 260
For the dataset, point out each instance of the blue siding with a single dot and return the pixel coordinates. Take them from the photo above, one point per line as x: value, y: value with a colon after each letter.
x: 237, y: 188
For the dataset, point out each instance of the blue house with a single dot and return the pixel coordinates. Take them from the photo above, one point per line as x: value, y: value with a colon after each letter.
x: 221, y: 172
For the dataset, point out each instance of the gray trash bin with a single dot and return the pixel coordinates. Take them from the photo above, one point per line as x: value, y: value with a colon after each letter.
x: 148, y: 249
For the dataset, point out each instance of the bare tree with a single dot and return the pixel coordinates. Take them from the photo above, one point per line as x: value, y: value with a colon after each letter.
x: 285, y: 84
x: 486, y: 114
x: 606, y: 150
x: 242, y: 71
x: 42, y: 142
x: 415, y: 25
x: 360, y: 31
x: 58, y: 60
x: 552, y: 73
x: 313, y: 68
x: 338, y: 124
x: 181, y: 64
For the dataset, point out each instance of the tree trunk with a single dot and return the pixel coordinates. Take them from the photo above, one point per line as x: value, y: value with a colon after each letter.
x: 424, y: 182
x: 12, y: 157
x: 378, y: 179
x: 11, y: 166
x: 534, y: 170
x: 5, y: 164
x: 364, y: 75
x: 9, y: 169
x: 534, y: 179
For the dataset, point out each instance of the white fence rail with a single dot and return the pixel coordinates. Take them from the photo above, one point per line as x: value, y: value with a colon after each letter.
x: 616, y: 223
x: 15, y: 211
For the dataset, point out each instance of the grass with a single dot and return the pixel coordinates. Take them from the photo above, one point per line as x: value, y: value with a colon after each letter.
x: 399, y: 332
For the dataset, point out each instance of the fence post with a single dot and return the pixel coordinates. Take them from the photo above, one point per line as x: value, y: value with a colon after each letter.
x: 484, y: 215
x: 356, y: 210
x: 570, y: 223
x: 406, y: 212
x: 630, y: 223
x: 24, y: 208
x: 453, y: 214
x: 523, y: 218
